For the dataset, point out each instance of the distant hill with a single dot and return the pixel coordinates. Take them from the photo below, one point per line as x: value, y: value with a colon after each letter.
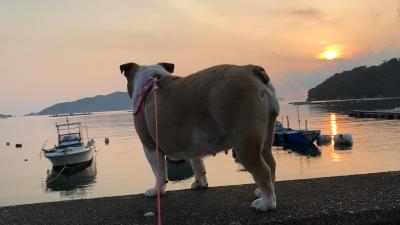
x: 110, y: 102
x: 360, y: 82
x: 4, y: 116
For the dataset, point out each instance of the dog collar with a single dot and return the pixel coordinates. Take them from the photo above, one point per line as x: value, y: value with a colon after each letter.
x: 139, y: 103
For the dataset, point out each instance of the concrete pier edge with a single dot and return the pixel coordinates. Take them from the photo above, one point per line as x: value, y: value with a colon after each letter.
x: 356, y: 199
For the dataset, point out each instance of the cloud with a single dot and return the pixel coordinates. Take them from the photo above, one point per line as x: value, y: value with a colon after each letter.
x: 306, y: 12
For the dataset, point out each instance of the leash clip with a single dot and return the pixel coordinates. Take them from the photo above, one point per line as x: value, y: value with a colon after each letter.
x: 155, y: 85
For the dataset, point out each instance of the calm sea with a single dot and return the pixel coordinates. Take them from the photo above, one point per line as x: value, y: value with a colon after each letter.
x: 120, y: 167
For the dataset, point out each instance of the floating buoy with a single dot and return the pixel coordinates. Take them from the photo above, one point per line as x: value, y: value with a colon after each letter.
x: 324, y: 139
x: 107, y: 141
x: 8, y: 143
x: 343, y: 139
x: 91, y: 142
x: 18, y: 145
x: 342, y: 147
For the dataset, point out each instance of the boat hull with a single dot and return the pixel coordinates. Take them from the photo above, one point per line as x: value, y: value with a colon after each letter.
x: 295, y: 137
x: 70, y: 156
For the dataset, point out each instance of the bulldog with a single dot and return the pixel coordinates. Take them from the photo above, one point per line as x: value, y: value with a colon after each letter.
x: 215, y: 109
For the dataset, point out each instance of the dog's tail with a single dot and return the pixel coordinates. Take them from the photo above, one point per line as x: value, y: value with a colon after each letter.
x: 263, y: 76
x: 260, y: 72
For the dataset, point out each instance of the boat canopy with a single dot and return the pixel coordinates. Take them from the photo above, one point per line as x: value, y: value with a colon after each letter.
x: 69, y: 134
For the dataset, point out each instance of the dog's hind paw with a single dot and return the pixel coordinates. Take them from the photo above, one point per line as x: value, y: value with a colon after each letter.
x: 198, y: 185
x: 263, y: 205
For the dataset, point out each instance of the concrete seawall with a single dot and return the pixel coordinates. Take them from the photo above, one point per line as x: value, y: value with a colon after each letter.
x: 358, y: 199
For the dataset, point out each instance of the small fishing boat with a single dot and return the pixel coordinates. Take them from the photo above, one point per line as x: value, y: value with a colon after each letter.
x: 294, y: 137
x: 71, y: 149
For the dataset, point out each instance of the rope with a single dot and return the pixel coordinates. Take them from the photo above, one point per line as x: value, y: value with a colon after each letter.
x: 48, y: 182
x: 158, y: 161
x: 59, y: 173
x: 66, y: 167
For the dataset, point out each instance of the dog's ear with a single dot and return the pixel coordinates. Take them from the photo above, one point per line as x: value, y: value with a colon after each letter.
x: 167, y: 66
x: 125, y: 68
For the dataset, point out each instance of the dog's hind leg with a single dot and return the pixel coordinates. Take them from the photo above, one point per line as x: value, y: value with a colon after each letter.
x: 266, y: 153
x: 249, y: 154
x: 160, y: 181
x: 244, y: 115
x: 200, y: 179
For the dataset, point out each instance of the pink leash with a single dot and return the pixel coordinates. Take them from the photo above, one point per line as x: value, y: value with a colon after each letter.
x: 158, y: 162
x: 139, y: 107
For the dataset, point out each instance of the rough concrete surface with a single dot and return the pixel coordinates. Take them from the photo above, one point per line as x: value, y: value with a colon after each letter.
x: 358, y: 199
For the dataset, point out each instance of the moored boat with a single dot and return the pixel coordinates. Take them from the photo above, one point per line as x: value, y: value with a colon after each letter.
x: 294, y: 137
x: 71, y: 149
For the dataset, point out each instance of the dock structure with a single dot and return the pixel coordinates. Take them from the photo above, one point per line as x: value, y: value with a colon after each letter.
x: 381, y: 114
x: 354, y: 100
x: 369, y: 199
x: 71, y: 114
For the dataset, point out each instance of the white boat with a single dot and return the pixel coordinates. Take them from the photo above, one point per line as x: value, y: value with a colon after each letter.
x: 71, y: 149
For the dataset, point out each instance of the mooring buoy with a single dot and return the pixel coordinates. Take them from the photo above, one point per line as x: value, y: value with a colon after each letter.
x: 8, y: 143
x: 324, y: 140
x: 343, y: 139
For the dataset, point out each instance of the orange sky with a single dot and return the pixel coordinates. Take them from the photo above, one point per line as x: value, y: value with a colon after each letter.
x: 55, y: 51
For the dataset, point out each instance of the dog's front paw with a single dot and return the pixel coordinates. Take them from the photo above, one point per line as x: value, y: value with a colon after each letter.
x: 199, y: 184
x: 258, y: 193
x: 152, y: 192
x: 263, y: 205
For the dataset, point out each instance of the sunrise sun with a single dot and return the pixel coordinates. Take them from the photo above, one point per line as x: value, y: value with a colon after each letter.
x: 330, y: 53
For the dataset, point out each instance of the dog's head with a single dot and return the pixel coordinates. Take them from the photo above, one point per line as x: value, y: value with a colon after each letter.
x: 131, y: 70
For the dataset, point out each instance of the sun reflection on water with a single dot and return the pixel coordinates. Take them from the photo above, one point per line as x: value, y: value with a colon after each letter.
x: 334, y: 130
x: 333, y: 124
x: 335, y: 157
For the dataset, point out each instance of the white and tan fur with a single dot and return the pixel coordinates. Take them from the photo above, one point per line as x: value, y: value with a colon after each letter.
x: 219, y: 108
